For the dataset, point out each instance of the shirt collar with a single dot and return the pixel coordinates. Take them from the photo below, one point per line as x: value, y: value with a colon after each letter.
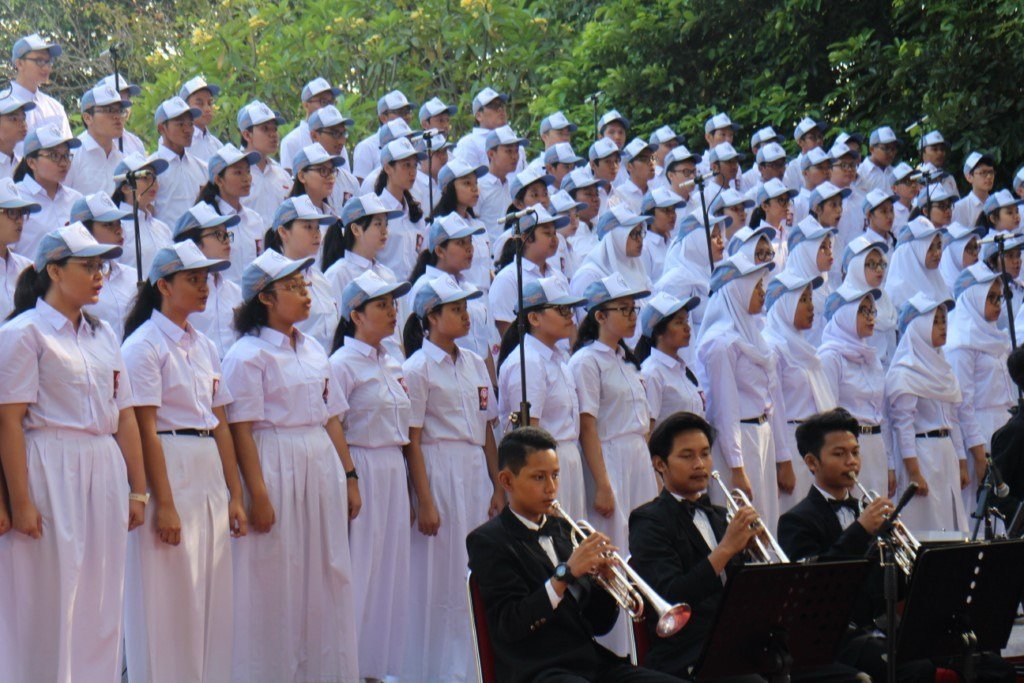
x: 23, y: 93
x: 389, y: 200
x: 30, y: 185
x: 88, y: 141
x: 658, y: 239
x: 828, y: 496
x: 436, y: 353
x: 665, y: 359
x: 275, y: 338
x: 604, y: 348
x: 168, y: 154
x: 178, y: 335
x: 225, y: 208
x: 358, y: 259
x: 532, y: 526
x: 539, y: 347
x: 51, y: 315
x: 362, y: 348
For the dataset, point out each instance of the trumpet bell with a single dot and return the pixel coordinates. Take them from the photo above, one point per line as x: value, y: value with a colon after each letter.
x: 673, y: 620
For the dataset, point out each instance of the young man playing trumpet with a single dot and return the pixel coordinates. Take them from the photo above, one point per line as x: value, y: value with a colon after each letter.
x: 543, y: 607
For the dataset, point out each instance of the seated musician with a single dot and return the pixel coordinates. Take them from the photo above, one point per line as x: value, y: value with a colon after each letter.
x: 543, y: 607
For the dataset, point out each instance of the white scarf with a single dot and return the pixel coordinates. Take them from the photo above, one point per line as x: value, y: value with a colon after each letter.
x: 920, y: 369
x: 609, y: 257
x: 728, y: 318
x: 841, y: 336
x: 908, y: 274
x: 968, y: 328
x: 952, y: 262
x: 791, y: 344
x: 886, y: 317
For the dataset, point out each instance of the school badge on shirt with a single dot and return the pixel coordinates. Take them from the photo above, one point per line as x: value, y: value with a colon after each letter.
x: 117, y: 379
x: 483, y: 394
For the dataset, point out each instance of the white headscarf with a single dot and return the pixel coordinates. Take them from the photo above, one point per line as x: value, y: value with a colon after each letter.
x: 952, y: 262
x: 609, y: 257
x: 841, y: 336
x: 886, y: 318
x: 690, y: 250
x: 790, y: 344
x: 803, y: 258
x: 920, y: 369
x: 908, y: 274
x: 968, y: 328
x: 728, y: 318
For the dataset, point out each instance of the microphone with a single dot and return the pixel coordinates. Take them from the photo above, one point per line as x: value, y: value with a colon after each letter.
x: 999, y: 487
x: 513, y: 217
x: 112, y: 50
x: 931, y: 175
x: 916, y: 124
x: 698, y: 179
x: 592, y: 97
x: 143, y: 173
x: 429, y: 133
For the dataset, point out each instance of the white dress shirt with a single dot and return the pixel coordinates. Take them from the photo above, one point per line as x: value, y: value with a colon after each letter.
x: 483, y: 339
x: 655, y: 250
x: 204, y: 144
x: 910, y: 415
x: 7, y: 165
x: 610, y: 389
x: 92, y: 169
x: 55, y: 214
x: 324, y: 313
x: 155, y: 235
x: 48, y: 110
x: 116, y: 297
x: 985, y: 386
x: 11, y: 267
x: 366, y: 156
x: 859, y: 387
x: 846, y: 515
x: 346, y: 269
x: 179, y: 184
x: 967, y: 209
x: 870, y: 176
x: 373, y: 386
x: 216, y: 323
x: 703, y: 524
x: 248, y: 241
x: 504, y: 294
x: 628, y: 194
x: 494, y: 200
x: 550, y: 388
x: 270, y: 187
x: 405, y: 238
x: 667, y: 387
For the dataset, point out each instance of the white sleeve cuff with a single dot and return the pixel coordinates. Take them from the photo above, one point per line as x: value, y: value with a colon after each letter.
x: 553, y: 595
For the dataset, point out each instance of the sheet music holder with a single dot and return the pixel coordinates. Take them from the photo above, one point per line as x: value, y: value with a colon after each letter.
x: 775, y: 619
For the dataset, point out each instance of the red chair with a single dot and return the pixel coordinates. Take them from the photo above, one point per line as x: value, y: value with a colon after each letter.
x: 639, y: 638
x: 485, y: 668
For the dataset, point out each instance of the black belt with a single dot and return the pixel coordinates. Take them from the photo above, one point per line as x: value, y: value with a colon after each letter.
x: 759, y: 420
x: 795, y: 422
x: 187, y: 432
x: 934, y: 434
x: 870, y: 429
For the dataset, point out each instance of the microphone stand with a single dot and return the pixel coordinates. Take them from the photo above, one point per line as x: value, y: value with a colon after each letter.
x: 699, y: 179
x: 593, y: 97
x: 133, y: 183
x: 1008, y: 298
x: 428, y: 138
x: 982, y: 513
x: 523, y: 419
x: 115, y: 58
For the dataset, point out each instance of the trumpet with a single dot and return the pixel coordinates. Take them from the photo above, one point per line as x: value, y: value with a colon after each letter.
x: 626, y: 587
x: 765, y: 549
x: 904, y: 546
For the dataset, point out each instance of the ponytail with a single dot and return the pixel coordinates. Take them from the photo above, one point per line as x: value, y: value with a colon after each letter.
x: 985, y: 221
x: 346, y: 328
x: 209, y: 193
x: 415, y: 332
x: 508, y: 250
x: 449, y: 202
x: 643, y: 348
x: 147, y: 300
x: 757, y: 216
x: 297, y: 187
x: 590, y: 331
x: 339, y: 239
x: 511, y: 339
x: 32, y: 286
x: 272, y: 239
x: 427, y: 257
x: 22, y: 169
x: 414, y: 209
x: 250, y: 317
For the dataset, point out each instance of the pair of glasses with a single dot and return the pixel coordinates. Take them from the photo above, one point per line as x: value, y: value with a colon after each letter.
x: 562, y: 310
x: 764, y: 255
x: 775, y: 164
x: 93, y: 267
x: 41, y: 62
x: 112, y: 109
x: 846, y: 166
x: 876, y: 265
x: 334, y: 133
x: 222, y: 236
x: 638, y: 234
x: 321, y: 101
x: 994, y: 299
x: 628, y: 311
x: 869, y: 313
x: 324, y: 171
x: 57, y: 157
x: 15, y: 214
x: 296, y: 287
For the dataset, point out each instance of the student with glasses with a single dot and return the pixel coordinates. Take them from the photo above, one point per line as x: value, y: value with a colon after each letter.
x: 185, y: 173
x: 94, y: 163
x: 328, y: 127
x: 229, y: 176
x: 865, y: 264
x: 962, y: 251
x: 202, y: 96
x: 13, y: 129
x: 876, y: 171
x: 127, y: 90
x: 14, y: 210
x: 154, y: 234
x: 808, y: 135
x: 315, y: 94
x: 102, y: 218
x: 980, y: 173
x: 40, y: 177
x: 257, y: 125
x: 34, y: 59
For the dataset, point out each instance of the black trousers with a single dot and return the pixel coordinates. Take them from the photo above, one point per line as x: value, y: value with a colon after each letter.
x: 616, y: 672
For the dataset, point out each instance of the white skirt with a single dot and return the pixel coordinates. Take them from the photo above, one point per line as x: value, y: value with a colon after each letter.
x: 758, y: 450
x: 874, y: 465
x: 379, y: 542
x: 989, y: 420
x: 294, y: 608
x: 438, y: 642
x: 178, y: 600
x: 60, y: 614
x: 804, y: 476
x: 942, y: 509
x: 572, y: 493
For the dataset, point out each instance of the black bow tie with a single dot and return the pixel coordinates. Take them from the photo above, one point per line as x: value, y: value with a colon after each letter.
x: 849, y: 502
x: 702, y: 503
x: 535, y: 534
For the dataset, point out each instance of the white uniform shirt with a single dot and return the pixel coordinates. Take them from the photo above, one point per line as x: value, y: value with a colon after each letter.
x: 7, y: 165
x: 55, y: 214
x: 610, y: 389
x: 901, y: 216
x: 297, y: 139
x: 405, y: 238
x: 802, y: 206
x: 70, y: 379
x: 11, y: 270
x: 92, y: 169
x: 967, y: 209
x: 481, y: 268
x: 270, y: 187
x: 372, y: 384
x: 248, y: 241
x: 985, y: 385
x: 324, y: 314
x: 155, y: 236
x: 116, y: 297
x: 483, y: 339
x: 872, y: 177
x: 133, y: 144
x: 450, y: 398
x: 178, y: 371
x: 668, y: 388
x: 628, y: 194
x: 179, y: 184
x: 859, y: 387
x: 346, y: 269
x: 910, y: 415
x: 48, y: 110
x: 655, y: 250
x: 472, y: 148
x: 504, y: 294
x: 793, y: 178
x: 366, y: 156
x: 216, y: 323
x: 494, y: 200
x: 550, y: 388
x: 204, y: 144
x: 275, y: 386
x: 421, y: 190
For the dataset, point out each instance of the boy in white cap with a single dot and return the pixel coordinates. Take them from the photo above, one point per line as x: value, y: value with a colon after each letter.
x: 816, y: 167
x: 258, y: 126
x: 680, y: 170
x: 980, y: 171
x: 605, y: 164
x: 559, y: 160
x: 503, y: 157
x: 724, y: 163
x: 615, y: 127
x: 13, y: 129
x: 133, y: 144
x: 315, y: 94
x: 329, y: 128
x: 717, y: 129
x: 392, y: 130
x: 201, y: 95
x: 906, y: 187
x: 366, y: 155
x: 852, y: 222
x: 555, y: 129
x: 751, y: 178
x: 33, y: 59
x: 185, y: 174
x: 808, y: 135
x: 934, y: 154
x: 14, y: 209
x: 639, y: 157
x: 490, y: 111
x: 769, y: 164
x: 426, y: 188
x: 875, y: 172
x: 666, y: 140
x: 436, y: 114
x: 93, y: 164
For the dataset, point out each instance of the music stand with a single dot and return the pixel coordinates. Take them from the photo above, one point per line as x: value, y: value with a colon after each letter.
x: 774, y: 619
x: 962, y: 600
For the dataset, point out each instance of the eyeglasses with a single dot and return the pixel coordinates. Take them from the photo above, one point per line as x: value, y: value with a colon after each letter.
x: 324, y: 171
x: 876, y: 265
x: 994, y: 299
x: 764, y: 255
x: 15, y: 116
x: 93, y: 267
x: 15, y: 214
x: 495, y: 105
x: 889, y: 147
x: 296, y: 287
x: 321, y: 100
x: 638, y: 234
x: 562, y: 310
x: 41, y: 62
x: 334, y: 133
x: 686, y: 172
x: 987, y: 173
x: 222, y: 236
x: 846, y: 166
x: 266, y: 128
x: 776, y: 165
x: 869, y: 313
x: 112, y: 109
x: 973, y: 249
x: 628, y: 311
x: 784, y: 200
x: 57, y: 157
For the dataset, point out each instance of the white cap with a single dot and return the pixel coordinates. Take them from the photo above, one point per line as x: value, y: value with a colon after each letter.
x: 485, y: 97
x: 194, y: 85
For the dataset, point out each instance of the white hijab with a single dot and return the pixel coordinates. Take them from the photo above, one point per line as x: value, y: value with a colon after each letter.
x: 727, y: 318
x: 790, y: 344
x: 690, y: 251
x: 908, y: 274
x: 920, y: 369
x: 886, y: 317
x: 609, y: 257
x: 952, y: 262
x: 803, y: 258
x: 968, y: 328
x: 841, y: 336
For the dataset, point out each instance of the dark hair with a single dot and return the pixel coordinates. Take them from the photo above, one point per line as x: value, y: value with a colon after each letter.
x: 448, y: 202
x: 209, y: 193
x: 757, y: 216
x: 508, y: 249
x: 660, y: 443
x: 338, y: 239
x: 147, y: 300
x: 250, y: 317
x: 414, y: 333
x: 810, y: 435
x: 511, y: 339
x: 194, y: 234
x: 346, y: 328
x: 589, y: 332
x: 272, y: 238
x: 427, y: 257
x: 118, y: 194
x: 22, y: 169
x: 516, y: 446
x: 33, y: 285
x: 1015, y: 365
x: 415, y: 210
x: 297, y: 187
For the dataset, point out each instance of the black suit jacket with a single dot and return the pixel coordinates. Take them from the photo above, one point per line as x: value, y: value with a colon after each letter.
x: 528, y: 637
x: 670, y: 554
x: 1008, y: 455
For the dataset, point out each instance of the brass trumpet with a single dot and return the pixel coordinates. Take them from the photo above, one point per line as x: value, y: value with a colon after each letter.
x: 904, y: 546
x: 765, y: 549
x: 626, y: 587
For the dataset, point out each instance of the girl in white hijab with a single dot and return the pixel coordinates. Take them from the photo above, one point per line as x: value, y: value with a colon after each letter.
x: 754, y: 243
x: 791, y: 313
x: 865, y: 264
x: 961, y: 252
x: 851, y: 364
x: 738, y: 370
x: 922, y: 398
x: 915, y: 264
x: 977, y: 350
x: 810, y: 256
x: 621, y: 234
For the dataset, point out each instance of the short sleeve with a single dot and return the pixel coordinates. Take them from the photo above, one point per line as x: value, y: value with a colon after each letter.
x: 654, y: 388
x: 19, y: 365
x: 243, y: 378
x: 588, y: 383
x: 500, y: 298
x: 418, y: 386
x: 484, y: 385
x: 221, y: 393
x: 125, y: 396
x: 337, y: 403
x: 142, y: 360
x: 344, y: 383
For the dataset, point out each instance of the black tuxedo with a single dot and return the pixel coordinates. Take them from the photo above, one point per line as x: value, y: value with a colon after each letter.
x: 670, y: 554
x: 528, y: 636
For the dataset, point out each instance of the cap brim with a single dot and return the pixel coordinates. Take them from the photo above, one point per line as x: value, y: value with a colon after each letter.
x: 567, y: 300
x: 395, y: 288
x: 106, y: 251
x: 291, y: 269
x: 635, y: 294
x: 226, y: 221
x: 21, y: 204
x: 116, y: 215
x: 215, y: 265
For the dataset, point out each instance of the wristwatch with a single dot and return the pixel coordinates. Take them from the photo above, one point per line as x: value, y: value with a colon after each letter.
x: 351, y: 474
x: 563, y: 574
x: 139, y: 497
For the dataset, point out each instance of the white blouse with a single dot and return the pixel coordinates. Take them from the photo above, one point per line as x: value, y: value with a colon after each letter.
x: 450, y: 398
x: 371, y: 381
x: 609, y: 388
x: 668, y: 388
x: 550, y: 388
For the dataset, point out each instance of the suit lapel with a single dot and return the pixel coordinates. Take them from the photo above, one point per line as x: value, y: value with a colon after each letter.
x: 825, y: 512
x: 684, y: 524
x: 526, y: 546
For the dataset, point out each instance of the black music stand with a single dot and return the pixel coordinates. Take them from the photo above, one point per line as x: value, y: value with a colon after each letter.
x: 775, y: 619
x: 962, y: 600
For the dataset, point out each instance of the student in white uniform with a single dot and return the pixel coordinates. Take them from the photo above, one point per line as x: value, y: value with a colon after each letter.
x: 407, y: 232
x: 879, y: 210
x: 316, y: 173
x: 328, y: 127
x: 178, y: 597
x: 810, y: 255
x: 40, y: 178
x: 229, y: 180
x: 154, y: 233
x: 555, y: 129
x: 922, y: 399
x: 503, y: 149
x: 749, y: 413
x: 426, y: 190
x: 296, y: 234
x: 459, y: 185
x: 666, y: 140
x: 773, y: 205
x: 366, y: 155
x: 639, y: 158
x: 14, y: 211
x: 294, y: 603
x: 376, y: 425
x: 855, y: 373
x: 934, y: 154
x: 865, y: 263
x: 661, y: 205
x: 769, y: 164
x: 605, y: 159
x: 669, y: 383
x: 558, y: 160
x: 808, y: 135
x: 33, y: 59
x: 73, y: 470
x: 817, y: 167
x: 271, y: 183
x: 186, y: 173
x: 960, y: 252
x: 453, y: 467
x: 490, y: 110
x: 562, y: 204
x: 133, y: 144
x: 915, y: 264
x: 935, y: 203
x: 527, y: 188
x: 851, y: 223
x: 436, y: 114
x: 586, y: 189
x: 733, y: 204
x: 875, y: 172
x: 905, y: 185
x: 754, y: 243
x: 211, y: 232
x: 94, y: 162
x: 201, y: 95
x: 791, y: 312
x: 980, y: 172
x: 550, y: 385
x: 718, y: 128
x: 977, y: 349
x: 614, y: 126
x: 102, y: 218
x: 315, y: 94
x: 392, y: 130
x: 724, y: 161
x: 1001, y: 213
x: 688, y: 265
x: 13, y: 129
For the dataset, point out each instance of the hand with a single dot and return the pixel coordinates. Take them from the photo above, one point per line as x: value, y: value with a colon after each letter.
x: 27, y: 520
x: 739, y: 533
x: 591, y: 555
x: 168, y: 524
x: 965, y: 477
x: 355, y: 499
x: 740, y: 481
x: 429, y: 519
x: 922, y: 484
x: 261, y: 514
x: 136, y: 514
x: 604, y: 500
x: 892, y: 483
x: 497, y: 502
x: 237, y: 518
x: 5, y: 520
x: 786, y: 477
x: 875, y: 515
